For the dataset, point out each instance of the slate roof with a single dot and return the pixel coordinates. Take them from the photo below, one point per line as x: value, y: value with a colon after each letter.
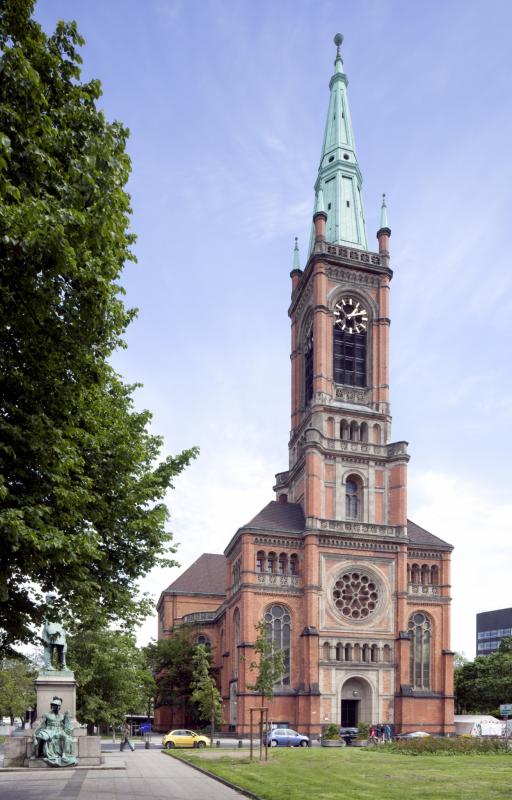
x: 419, y: 536
x: 207, y: 575
x: 286, y: 517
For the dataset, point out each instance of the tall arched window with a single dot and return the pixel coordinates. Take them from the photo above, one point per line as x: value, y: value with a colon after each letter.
x: 260, y: 561
x: 282, y: 564
x: 236, y: 640
x: 271, y: 563
x: 353, y: 498
x: 308, y: 367
x: 350, y: 342
x: 278, y: 623
x: 420, y: 631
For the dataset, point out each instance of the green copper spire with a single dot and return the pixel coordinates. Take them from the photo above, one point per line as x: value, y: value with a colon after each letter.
x: 384, y: 213
x: 296, y: 256
x: 339, y: 177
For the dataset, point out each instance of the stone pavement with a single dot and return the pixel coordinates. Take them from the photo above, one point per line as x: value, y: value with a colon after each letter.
x: 148, y: 774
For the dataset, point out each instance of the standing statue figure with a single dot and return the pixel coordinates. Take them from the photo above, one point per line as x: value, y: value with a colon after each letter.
x: 54, y: 639
x: 52, y: 739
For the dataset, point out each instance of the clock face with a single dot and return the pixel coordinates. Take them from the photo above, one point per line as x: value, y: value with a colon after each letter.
x: 350, y: 315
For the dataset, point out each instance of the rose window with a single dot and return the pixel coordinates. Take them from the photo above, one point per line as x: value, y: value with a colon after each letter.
x: 355, y: 595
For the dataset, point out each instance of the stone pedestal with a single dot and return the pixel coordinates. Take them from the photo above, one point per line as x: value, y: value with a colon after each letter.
x: 49, y: 684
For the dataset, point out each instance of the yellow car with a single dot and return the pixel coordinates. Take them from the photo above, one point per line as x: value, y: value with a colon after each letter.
x: 182, y: 738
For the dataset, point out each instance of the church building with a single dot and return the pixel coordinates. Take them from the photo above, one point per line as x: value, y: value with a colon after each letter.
x: 355, y: 594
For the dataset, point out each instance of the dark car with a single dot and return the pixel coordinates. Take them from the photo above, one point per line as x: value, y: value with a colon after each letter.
x: 348, y: 734
x: 286, y: 737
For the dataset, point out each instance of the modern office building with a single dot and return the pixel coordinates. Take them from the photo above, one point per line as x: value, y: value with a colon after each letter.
x: 491, y: 628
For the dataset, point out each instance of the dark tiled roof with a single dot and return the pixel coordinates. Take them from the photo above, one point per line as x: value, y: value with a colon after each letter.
x: 419, y: 536
x: 286, y: 517
x: 207, y: 575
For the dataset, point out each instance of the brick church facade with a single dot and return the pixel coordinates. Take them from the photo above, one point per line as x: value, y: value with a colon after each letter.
x: 356, y: 595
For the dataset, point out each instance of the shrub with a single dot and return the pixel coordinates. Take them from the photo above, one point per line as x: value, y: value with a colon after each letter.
x: 331, y: 732
x: 363, y: 730
x: 461, y: 745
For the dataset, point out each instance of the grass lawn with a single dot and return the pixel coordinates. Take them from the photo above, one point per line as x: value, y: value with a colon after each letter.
x: 360, y: 774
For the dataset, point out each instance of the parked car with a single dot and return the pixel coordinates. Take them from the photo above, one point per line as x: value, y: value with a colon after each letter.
x: 413, y: 735
x: 286, y: 737
x: 185, y: 738
x: 348, y: 734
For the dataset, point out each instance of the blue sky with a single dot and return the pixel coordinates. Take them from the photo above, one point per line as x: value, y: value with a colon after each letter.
x: 226, y: 102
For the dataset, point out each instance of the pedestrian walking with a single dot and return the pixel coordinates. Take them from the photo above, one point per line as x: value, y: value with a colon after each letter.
x: 125, y: 741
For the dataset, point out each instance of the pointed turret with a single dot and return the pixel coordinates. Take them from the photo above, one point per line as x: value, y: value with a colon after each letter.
x: 384, y: 231
x: 339, y: 177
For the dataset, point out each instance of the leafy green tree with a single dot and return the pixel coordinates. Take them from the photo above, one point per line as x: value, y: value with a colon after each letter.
x: 81, y: 483
x: 112, y: 677
x: 17, y: 692
x: 484, y: 684
x: 204, y: 689
x: 171, y: 662
x: 269, y: 665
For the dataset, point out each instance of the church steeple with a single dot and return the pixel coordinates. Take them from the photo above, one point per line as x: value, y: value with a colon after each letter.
x: 339, y: 177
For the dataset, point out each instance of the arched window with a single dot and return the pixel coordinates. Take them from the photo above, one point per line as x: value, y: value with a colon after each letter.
x: 420, y: 631
x: 353, y: 498
x: 204, y: 640
x: 260, y: 561
x: 415, y: 573
x: 434, y: 575
x: 236, y: 640
x: 386, y: 653
x: 425, y: 574
x: 308, y: 367
x: 376, y: 434
x: 326, y: 651
x: 348, y: 652
x: 350, y: 342
x: 271, y: 563
x: 364, y: 432
x: 294, y: 564
x: 366, y: 652
x: 282, y: 564
x: 278, y: 623
x: 344, y: 429
x: 357, y: 652
x: 408, y: 573
x: 340, y: 650
x: 354, y: 431
x: 375, y: 653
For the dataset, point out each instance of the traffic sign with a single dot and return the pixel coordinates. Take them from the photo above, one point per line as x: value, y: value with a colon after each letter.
x: 506, y: 710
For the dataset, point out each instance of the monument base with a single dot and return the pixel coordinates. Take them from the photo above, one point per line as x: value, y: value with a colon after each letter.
x: 18, y: 751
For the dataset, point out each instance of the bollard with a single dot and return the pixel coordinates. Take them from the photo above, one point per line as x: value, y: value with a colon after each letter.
x: 239, y: 743
x: 217, y: 743
x: 146, y: 745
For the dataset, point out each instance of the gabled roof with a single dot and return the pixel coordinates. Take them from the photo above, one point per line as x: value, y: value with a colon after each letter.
x: 285, y: 517
x: 207, y: 575
x: 420, y: 537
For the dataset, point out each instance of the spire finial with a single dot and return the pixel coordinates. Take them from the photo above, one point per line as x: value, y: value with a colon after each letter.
x: 296, y: 257
x: 383, y: 213
x: 338, y: 40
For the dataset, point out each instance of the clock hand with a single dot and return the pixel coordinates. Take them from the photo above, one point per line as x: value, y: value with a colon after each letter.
x: 355, y: 313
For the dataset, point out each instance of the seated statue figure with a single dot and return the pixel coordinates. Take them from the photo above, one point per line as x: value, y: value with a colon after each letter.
x: 52, y: 739
x: 54, y: 640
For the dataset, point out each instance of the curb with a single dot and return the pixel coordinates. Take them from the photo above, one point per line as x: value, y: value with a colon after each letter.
x: 227, y: 783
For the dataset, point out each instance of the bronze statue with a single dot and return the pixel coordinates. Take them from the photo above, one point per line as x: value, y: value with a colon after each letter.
x: 52, y: 739
x: 54, y: 640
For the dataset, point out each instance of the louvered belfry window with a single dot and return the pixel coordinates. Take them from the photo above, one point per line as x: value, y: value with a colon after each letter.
x: 349, y: 357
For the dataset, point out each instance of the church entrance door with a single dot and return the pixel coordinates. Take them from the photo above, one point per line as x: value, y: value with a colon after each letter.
x: 349, y: 716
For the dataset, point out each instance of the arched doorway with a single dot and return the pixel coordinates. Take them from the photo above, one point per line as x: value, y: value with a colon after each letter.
x: 356, y: 702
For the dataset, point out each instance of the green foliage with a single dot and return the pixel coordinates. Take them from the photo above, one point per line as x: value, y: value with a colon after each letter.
x: 81, y: 488
x: 205, y: 694
x: 269, y: 665
x: 485, y: 683
x: 363, y: 730
x: 16, y: 687
x: 331, y: 732
x: 171, y: 662
x: 112, y: 676
x: 461, y: 745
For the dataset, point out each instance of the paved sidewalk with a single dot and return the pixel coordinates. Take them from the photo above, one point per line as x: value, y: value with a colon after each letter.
x: 148, y: 774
